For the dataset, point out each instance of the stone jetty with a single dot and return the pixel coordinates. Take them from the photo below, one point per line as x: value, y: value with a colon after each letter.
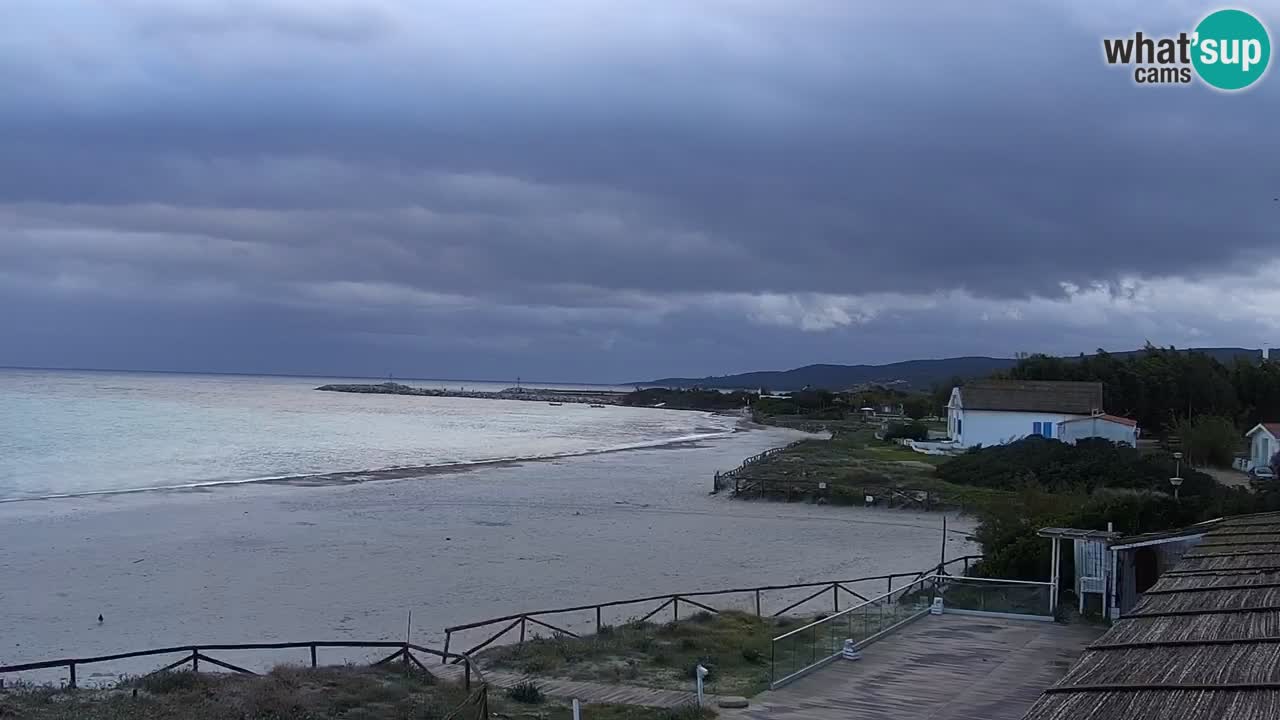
x: 586, y: 397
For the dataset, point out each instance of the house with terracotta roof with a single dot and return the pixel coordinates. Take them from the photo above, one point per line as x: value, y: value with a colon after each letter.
x: 1111, y: 427
x: 995, y: 412
x: 1264, y: 443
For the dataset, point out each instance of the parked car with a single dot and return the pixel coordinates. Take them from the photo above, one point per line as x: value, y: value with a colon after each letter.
x: 1262, y: 474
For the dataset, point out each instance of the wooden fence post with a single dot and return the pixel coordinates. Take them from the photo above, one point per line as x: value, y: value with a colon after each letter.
x: 467, y: 661
x: 757, y: 603
x: 597, y: 619
x: 195, y: 660
x: 72, y: 682
x: 675, y: 609
x: 522, y: 624
x: 835, y: 597
x: 313, y: 654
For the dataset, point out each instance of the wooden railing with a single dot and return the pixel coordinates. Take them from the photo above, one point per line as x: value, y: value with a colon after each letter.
x: 674, y: 600
x: 798, y: 488
x: 721, y: 479
x: 195, y: 654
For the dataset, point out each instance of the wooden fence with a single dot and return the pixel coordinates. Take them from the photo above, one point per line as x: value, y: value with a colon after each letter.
x: 538, y: 617
x: 195, y: 654
x: 802, y: 487
x: 721, y: 479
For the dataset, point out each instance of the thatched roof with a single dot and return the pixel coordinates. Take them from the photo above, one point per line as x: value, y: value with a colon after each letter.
x: 1070, y: 398
x: 1204, y: 641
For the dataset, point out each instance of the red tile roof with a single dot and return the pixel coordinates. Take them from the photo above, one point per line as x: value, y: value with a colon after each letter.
x: 1273, y: 428
x: 1109, y: 418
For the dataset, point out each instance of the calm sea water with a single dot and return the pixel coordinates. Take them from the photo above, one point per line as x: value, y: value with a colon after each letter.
x: 67, y: 432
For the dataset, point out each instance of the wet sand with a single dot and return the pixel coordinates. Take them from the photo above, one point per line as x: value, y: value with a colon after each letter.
x: 269, y: 562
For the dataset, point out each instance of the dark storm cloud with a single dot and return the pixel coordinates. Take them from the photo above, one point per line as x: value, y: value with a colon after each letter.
x: 623, y: 181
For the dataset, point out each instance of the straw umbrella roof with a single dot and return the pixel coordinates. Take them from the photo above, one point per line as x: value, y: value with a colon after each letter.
x: 1204, y: 642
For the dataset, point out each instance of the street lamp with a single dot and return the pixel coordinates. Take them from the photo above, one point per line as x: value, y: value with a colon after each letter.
x: 1176, y: 480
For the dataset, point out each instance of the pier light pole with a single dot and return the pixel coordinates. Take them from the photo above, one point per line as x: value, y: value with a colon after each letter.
x: 1176, y: 480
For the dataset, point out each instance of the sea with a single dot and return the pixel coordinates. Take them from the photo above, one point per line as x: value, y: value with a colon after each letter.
x: 199, y: 509
x: 73, y: 432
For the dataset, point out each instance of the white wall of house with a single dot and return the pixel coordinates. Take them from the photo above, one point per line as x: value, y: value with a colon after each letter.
x: 1098, y: 427
x: 996, y: 427
x: 1262, y: 448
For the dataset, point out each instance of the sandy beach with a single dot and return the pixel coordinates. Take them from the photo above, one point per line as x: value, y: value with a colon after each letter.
x: 269, y: 562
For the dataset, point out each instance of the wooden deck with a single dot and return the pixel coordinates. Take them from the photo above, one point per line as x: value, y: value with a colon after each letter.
x: 950, y: 667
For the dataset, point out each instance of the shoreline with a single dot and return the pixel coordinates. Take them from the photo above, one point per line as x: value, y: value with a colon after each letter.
x: 263, y: 562
x: 353, y: 477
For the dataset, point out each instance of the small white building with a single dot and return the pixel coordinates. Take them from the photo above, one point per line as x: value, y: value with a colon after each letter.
x: 1110, y: 427
x: 1263, y: 444
x: 995, y: 412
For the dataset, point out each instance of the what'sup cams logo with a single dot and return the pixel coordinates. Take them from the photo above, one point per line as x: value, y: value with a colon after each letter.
x: 1228, y: 50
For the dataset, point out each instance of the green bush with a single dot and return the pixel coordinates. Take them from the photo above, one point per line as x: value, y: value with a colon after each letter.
x: 911, y: 430
x: 1094, y: 463
x: 526, y: 692
x: 689, y: 712
x: 168, y: 681
x: 1209, y: 440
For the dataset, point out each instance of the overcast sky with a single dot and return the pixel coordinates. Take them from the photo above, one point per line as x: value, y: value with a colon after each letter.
x: 603, y: 190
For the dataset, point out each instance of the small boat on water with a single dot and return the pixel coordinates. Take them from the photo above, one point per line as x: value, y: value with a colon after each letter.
x: 555, y: 404
x: 596, y: 405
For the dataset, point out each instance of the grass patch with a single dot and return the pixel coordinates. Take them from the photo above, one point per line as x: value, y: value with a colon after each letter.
x: 526, y: 692
x: 854, y: 464
x: 734, y: 646
x: 289, y: 693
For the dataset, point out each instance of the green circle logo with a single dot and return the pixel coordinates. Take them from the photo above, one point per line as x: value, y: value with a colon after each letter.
x: 1232, y: 49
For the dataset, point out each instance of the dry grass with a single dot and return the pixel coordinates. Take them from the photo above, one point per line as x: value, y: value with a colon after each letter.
x: 286, y: 693
x: 855, y: 464
x: 735, y: 646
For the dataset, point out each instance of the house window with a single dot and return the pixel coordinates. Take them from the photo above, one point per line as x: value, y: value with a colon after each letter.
x: 959, y: 424
x: 1035, y: 428
x: 1048, y: 429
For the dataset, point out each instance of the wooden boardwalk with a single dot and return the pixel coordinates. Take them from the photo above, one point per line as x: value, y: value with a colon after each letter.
x: 951, y: 667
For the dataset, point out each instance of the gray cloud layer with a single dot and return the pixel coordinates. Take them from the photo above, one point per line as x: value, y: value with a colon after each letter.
x: 611, y: 190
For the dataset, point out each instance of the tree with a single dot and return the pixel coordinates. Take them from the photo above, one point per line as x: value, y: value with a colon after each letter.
x: 1209, y: 440
x: 917, y: 406
x: 912, y: 430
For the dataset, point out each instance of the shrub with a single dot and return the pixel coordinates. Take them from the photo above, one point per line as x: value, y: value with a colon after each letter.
x: 703, y: 617
x: 168, y: 681
x: 753, y: 656
x: 705, y: 662
x: 1050, y: 465
x: 1209, y: 440
x: 911, y: 430
x: 688, y: 712
x: 526, y: 692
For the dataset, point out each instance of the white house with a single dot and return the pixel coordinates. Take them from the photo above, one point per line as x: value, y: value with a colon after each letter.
x: 994, y: 412
x: 1263, y: 443
x: 1111, y: 427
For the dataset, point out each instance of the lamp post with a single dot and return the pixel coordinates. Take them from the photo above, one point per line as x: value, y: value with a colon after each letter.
x: 1176, y: 480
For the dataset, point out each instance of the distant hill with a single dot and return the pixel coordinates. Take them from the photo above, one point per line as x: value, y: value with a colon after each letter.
x: 910, y: 374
